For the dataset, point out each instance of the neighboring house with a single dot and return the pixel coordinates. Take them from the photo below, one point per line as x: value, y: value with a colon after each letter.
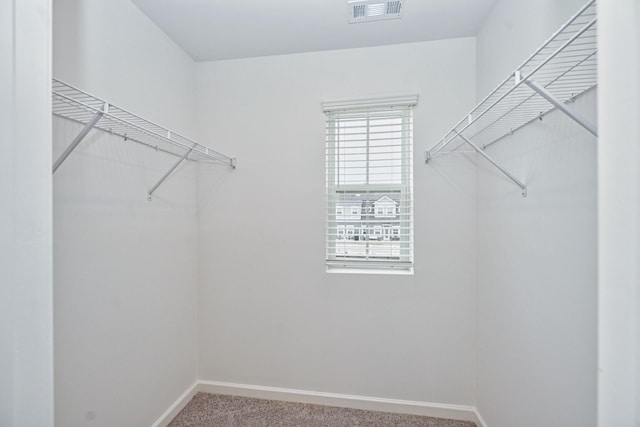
x: 361, y: 219
x: 385, y: 207
x: 349, y: 217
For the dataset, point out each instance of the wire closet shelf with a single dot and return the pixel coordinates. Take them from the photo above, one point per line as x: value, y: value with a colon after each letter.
x: 564, y: 67
x: 79, y: 106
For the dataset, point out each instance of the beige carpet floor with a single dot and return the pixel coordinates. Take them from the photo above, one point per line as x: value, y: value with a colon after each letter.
x: 209, y: 410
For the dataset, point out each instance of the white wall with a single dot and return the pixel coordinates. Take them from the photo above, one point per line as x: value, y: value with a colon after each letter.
x: 537, y: 270
x: 270, y: 314
x: 537, y: 277
x: 112, y: 50
x: 125, y: 269
x: 619, y: 214
x: 514, y: 30
x: 26, y: 302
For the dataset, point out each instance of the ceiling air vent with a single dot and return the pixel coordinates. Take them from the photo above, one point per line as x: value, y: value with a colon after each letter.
x: 374, y: 10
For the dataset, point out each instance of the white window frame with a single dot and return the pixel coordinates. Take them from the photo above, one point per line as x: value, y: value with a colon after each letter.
x: 404, y: 262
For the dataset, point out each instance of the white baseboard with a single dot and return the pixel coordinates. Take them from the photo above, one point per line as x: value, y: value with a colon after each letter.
x: 439, y: 410
x: 456, y: 412
x: 479, y: 420
x: 177, y: 406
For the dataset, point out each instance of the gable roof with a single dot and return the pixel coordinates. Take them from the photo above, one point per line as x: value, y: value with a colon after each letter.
x: 385, y: 200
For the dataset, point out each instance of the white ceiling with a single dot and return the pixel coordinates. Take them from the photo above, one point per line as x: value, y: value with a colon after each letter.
x: 224, y: 29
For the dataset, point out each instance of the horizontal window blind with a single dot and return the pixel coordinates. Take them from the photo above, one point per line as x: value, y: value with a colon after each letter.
x: 369, y: 187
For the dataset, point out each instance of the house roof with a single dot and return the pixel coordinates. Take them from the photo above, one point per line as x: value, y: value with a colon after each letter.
x: 385, y: 200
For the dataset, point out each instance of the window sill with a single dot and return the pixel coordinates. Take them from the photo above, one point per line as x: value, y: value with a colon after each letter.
x: 360, y: 270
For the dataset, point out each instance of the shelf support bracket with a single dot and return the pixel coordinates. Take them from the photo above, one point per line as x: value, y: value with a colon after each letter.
x: 77, y: 140
x: 429, y: 154
x: 562, y: 106
x: 490, y: 160
x: 166, y: 175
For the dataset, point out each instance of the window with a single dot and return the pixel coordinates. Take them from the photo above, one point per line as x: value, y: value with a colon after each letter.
x: 369, y: 166
x: 350, y: 231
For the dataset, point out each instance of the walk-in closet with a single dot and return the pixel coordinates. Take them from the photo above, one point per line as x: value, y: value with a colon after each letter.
x: 320, y: 213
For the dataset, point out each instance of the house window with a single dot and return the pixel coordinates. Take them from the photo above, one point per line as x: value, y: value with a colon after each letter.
x: 369, y: 166
x: 395, y: 233
x: 350, y: 232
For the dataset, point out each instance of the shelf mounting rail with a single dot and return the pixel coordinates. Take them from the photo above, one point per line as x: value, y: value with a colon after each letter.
x: 563, y: 68
x: 81, y: 107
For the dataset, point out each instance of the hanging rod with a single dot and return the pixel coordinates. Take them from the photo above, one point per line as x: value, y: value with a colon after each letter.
x: 563, y: 68
x: 79, y: 106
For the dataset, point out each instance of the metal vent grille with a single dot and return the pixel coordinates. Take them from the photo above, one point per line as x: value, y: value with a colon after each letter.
x: 374, y: 10
x: 394, y: 7
x: 359, y: 11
